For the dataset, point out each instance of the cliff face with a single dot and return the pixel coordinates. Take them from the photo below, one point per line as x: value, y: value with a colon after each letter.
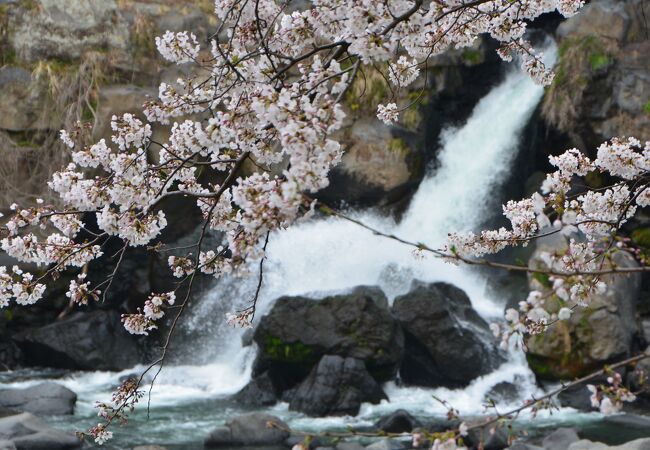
x: 69, y: 60
x: 602, y: 85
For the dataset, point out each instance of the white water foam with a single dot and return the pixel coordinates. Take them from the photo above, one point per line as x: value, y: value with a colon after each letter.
x: 331, y: 254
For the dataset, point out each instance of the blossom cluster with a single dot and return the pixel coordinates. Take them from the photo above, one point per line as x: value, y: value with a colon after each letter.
x: 145, y: 321
x: 123, y: 401
x: 448, y: 440
x: 20, y: 286
x: 609, y: 398
x: 588, y: 220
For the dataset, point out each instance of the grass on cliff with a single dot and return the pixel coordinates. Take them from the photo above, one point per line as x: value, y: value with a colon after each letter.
x: 68, y: 94
x: 371, y: 87
x: 579, y: 60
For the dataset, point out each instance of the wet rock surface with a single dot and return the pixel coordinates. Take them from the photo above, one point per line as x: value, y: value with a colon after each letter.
x: 253, y: 429
x: 42, y: 399
x: 27, y: 432
x: 298, y: 331
x: 86, y: 341
x: 336, y: 386
x: 606, y: 331
x: 446, y: 342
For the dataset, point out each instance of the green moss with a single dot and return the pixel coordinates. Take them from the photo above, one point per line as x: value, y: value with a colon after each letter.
x: 8, y: 56
x: 580, y: 58
x: 295, y: 352
x: 472, y: 56
x: 88, y: 111
x: 411, y: 118
x: 30, y: 5
x: 595, y: 179
x: 641, y: 237
x: 598, y: 61
x: 646, y: 108
x: 539, y: 366
x: 398, y: 145
x: 367, y: 91
x: 542, y: 278
x: 420, y: 97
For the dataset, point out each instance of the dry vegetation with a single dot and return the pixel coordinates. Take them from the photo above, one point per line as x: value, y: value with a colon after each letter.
x: 29, y: 158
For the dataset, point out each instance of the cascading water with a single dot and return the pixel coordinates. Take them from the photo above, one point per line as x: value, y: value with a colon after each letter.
x: 331, y: 254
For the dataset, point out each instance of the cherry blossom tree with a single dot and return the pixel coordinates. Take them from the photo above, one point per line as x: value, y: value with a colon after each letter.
x: 268, y: 88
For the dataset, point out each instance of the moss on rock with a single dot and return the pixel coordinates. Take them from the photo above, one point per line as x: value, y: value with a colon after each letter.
x: 291, y: 352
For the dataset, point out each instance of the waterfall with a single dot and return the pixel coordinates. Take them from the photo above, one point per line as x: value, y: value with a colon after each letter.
x: 331, y: 254
x: 325, y: 255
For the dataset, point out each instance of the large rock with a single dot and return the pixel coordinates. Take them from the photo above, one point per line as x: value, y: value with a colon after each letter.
x: 604, y: 331
x: 386, y: 444
x: 124, y: 31
x: 524, y: 446
x: 400, y: 421
x: 260, y: 391
x: 336, y: 386
x: 377, y: 167
x: 298, y: 331
x: 446, y: 342
x: 24, y: 104
x: 584, y: 444
x: 64, y: 29
x: 251, y: 429
x: 606, y: 18
x: 43, y: 399
x: 28, y: 432
x: 87, y: 341
x: 560, y: 439
x: 603, y: 74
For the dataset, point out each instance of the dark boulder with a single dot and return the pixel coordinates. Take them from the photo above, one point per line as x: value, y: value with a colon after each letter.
x: 28, y: 432
x: 336, y: 386
x: 446, y: 342
x: 260, y: 391
x: 518, y: 445
x: 298, y: 331
x: 487, y: 438
x: 349, y: 446
x: 504, y: 392
x: 85, y: 340
x: 386, y: 444
x: 576, y: 397
x: 253, y: 429
x: 560, y: 439
x: 43, y: 399
x: 400, y: 421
